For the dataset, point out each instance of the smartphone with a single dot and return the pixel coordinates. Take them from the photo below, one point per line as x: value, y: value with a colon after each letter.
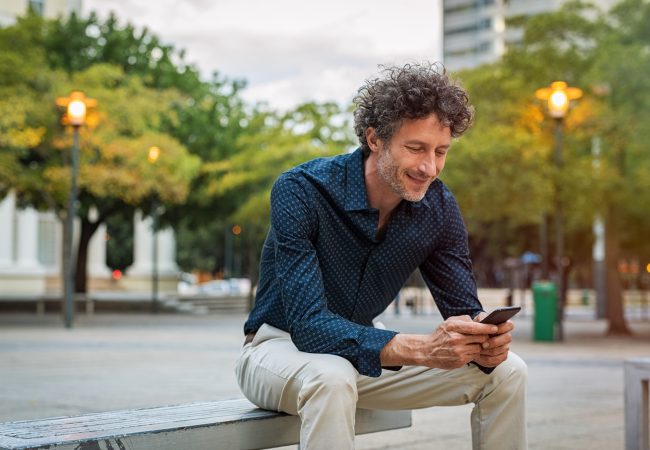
x: 500, y: 315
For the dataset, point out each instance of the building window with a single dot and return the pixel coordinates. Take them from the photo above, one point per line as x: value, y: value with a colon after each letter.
x: 484, y: 47
x: 38, y: 6
x: 476, y: 50
x: 483, y: 24
x: 476, y: 4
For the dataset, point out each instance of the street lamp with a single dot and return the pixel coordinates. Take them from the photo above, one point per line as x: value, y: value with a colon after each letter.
x: 152, y: 157
x: 235, y: 230
x: 76, y: 105
x: 558, y: 97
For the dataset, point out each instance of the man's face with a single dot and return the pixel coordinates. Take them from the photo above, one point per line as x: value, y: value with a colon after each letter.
x: 414, y: 157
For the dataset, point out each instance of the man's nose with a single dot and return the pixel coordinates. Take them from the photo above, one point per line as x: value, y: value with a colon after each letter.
x: 428, y: 166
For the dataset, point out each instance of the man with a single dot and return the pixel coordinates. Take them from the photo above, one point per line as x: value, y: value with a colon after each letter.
x: 346, y: 232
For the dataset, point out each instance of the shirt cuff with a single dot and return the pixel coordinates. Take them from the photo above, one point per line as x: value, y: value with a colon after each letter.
x: 372, y: 342
x: 476, y: 314
x: 485, y: 370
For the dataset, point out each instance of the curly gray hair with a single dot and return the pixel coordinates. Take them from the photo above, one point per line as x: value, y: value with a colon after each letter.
x: 413, y: 91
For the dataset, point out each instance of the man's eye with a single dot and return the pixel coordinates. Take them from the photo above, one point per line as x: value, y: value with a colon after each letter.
x: 414, y: 149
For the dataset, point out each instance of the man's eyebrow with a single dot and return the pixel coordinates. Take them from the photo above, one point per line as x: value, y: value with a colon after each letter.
x: 416, y: 142
x: 424, y: 144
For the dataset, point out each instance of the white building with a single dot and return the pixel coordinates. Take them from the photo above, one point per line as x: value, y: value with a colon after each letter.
x: 31, y: 241
x: 51, y: 9
x: 475, y: 32
x: 31, y: 249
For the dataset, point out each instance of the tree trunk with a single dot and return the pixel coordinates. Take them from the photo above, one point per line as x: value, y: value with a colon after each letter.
x: 615, y: 310
x: 81, y: 276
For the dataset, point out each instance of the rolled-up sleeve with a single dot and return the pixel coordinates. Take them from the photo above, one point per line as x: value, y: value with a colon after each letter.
x: 313, y: 327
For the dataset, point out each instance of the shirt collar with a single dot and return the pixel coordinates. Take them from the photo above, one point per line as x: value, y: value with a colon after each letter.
x: 356, y: 197
x: 425, y: 200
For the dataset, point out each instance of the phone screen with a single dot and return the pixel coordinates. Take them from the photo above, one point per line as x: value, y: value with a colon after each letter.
x: 500, y: 315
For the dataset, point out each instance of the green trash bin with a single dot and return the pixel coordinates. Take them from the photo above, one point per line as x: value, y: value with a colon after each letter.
x: 545, y: 301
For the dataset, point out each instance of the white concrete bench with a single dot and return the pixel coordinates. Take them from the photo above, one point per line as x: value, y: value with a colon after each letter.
x: 228, y: 424
x: 637, y: 418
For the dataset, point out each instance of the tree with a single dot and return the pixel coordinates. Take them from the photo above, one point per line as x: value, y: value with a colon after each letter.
x: 275, y: 142
x: 210, y: 121
x: 507, y: 152
x: 73, y: 44
x: 622, y: 65
x: 486, y: 165
x: 114, y: 173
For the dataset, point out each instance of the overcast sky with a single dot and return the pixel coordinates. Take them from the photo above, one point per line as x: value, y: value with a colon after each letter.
x: 290, y: 51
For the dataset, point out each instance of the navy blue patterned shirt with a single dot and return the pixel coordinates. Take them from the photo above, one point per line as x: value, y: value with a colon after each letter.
x: 325, y: 274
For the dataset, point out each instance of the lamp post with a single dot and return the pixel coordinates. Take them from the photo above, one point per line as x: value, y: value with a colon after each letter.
x: 558, y: 96
x: 152, y: 157
x: 76, y: 105
x: 228, y: 258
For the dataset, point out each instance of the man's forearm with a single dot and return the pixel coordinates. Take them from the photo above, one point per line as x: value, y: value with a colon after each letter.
x: 457, y: 341
x: 404, y: 350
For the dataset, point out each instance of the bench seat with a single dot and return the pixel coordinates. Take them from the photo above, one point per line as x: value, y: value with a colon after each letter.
x: 637, y: 404
x: 227, y: 424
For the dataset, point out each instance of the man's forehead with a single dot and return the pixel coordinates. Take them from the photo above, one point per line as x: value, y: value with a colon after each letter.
x: 419, y: 128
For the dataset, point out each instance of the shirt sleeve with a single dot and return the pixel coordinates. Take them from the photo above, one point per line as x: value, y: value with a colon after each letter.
x: 313, y: 327
x: 448, y: 269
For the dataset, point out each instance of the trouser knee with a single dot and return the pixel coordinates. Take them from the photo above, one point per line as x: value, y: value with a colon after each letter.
x: 327, y: 404
x: 518, y: 369
x: 511, y: 376
x: 336, y: 386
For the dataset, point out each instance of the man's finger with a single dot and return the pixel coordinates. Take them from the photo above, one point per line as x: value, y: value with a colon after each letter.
x: 506, y: 327
x: 470, y: 327
x: 498, y: 340
x: 466, y: 338
x: 495, y: 351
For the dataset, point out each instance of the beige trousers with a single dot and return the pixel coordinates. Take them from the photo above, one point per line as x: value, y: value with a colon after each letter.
x: 325, y: 390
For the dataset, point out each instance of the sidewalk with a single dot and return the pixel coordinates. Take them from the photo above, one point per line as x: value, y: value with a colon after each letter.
x: 126, y: 361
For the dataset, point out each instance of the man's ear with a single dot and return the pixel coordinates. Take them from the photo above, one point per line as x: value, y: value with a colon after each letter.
x: 373, y: 140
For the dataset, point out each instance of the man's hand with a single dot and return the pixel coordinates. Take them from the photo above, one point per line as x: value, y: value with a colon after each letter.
x: 495, y: 350
x: 457, y: 341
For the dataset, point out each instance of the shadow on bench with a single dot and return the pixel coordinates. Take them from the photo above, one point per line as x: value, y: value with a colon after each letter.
x: 227, y: 424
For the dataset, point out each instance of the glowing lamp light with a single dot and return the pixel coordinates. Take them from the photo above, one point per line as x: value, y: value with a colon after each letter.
x: 236, y: 230
x: 117, y: 274
x: 558, y: 96
x: 154, y: 154
x: 76, y: 106
x: 76, y: 112
x: 558, y: 104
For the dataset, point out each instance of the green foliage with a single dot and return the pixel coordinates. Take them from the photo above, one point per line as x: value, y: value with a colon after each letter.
x: 220, y: 156
x: 239, y: 186
x: 309, y: 131
x: 74, y: 44
x: 503, y: 170
x: 132, y: 113
x: 485, y: 165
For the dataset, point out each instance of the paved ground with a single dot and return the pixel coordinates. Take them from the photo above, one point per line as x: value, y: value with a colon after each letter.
x: 111, y: 361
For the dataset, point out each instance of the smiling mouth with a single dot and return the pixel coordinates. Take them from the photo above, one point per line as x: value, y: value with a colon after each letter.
x: 418, y: 180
